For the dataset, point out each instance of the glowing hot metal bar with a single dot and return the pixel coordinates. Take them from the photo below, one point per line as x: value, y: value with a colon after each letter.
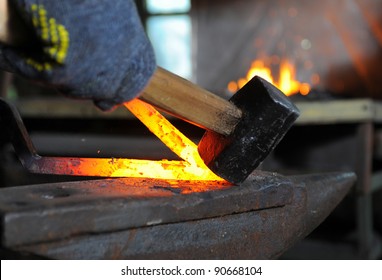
x: 172, y: 138
x: 191, y: 169
x: 113, y: 167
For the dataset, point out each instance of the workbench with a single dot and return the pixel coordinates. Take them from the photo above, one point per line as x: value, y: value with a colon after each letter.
x: 338, y: 135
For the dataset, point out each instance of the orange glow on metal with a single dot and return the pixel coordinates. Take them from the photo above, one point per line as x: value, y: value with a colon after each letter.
x: 119, y: 167
x: 193, y: 167
x: 138, y: 172
x: 286, y: 82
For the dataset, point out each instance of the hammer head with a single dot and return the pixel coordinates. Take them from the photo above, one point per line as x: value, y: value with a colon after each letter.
x: 267, y: 116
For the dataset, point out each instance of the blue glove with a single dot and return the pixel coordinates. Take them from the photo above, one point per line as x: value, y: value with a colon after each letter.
x: 87, y: 49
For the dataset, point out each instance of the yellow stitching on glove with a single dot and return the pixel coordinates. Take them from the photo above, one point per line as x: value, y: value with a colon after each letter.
x: 54, y: 35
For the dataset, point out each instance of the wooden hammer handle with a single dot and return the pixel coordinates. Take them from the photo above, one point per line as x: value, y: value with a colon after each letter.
x: 13, y: 31
x: 185, y: 100
x: 5, y: 29
x: 165, y: 90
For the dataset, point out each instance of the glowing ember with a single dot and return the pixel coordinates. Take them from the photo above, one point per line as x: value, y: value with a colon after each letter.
x: 286, y: 83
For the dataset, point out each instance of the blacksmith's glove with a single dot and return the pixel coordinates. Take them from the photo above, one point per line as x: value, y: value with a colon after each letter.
x: 87, y: 49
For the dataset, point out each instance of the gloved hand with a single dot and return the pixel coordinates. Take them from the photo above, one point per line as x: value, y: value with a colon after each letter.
x: 88, y: 49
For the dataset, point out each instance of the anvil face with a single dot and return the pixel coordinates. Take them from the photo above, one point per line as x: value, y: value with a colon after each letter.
x: 147, y: 218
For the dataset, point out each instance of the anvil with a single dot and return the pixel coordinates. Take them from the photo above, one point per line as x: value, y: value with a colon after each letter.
x: 133, y: 218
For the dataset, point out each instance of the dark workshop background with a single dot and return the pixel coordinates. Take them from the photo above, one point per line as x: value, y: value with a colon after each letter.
x: 335, y: 46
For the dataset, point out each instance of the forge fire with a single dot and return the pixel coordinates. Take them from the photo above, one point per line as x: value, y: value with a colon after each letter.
x: 286, y: 81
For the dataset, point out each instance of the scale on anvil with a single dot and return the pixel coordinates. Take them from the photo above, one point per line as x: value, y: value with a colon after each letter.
x: 128, y: 218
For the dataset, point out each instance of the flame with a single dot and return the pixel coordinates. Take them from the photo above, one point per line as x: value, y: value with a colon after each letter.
x: 286, y: 82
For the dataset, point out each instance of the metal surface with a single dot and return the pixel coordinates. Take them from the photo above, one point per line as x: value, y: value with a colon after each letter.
x: 136, y: 218
x: 267, y: 116
x: 346, y: 140
x: 364, y: 169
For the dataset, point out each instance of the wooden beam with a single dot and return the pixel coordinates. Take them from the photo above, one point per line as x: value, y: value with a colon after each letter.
x: 339, y: 111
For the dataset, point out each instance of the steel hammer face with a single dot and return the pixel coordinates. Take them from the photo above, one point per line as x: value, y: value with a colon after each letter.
x: 267, y: 116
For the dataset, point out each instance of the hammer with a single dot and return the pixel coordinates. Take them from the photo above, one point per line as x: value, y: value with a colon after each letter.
x: 240, y: 133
